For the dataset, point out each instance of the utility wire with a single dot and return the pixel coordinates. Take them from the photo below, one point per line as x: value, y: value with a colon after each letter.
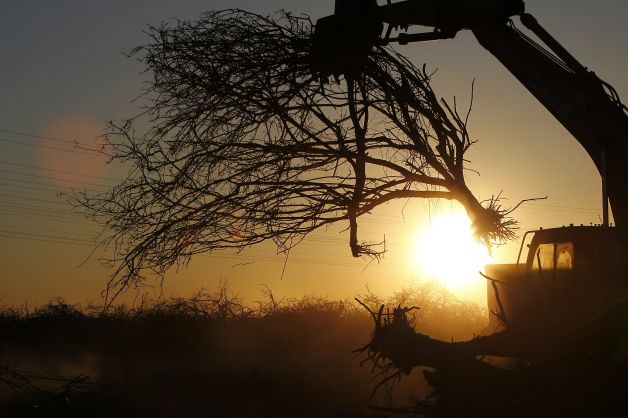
x: 21, y: 155
x: 47, y: 138
x: 52, y: 187
x: 35, y: 199
x: 58, y: 171
x: 253, y: 257
x: 44, y: 217
x: 27, y: 234
x: 33, y: 207
x: 37, y: 189
x: 42, y: 240
x: 74, y: 151
x: 18, y: 173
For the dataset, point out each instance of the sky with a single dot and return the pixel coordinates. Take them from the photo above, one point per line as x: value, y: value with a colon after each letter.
x: 64, y: 74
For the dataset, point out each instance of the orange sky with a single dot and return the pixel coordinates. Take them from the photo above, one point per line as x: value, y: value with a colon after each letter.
x: 64, y: 76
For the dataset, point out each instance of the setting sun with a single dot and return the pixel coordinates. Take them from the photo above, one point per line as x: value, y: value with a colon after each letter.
x: 447, y: 251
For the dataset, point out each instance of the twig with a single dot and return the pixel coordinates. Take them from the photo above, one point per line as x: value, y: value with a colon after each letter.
x: 524, y: 201
x: 502, y: 312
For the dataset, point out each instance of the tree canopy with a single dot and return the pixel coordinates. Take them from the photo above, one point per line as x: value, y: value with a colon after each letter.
x: 247, y: 143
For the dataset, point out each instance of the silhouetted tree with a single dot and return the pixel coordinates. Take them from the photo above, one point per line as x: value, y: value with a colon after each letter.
x: 247, y: 143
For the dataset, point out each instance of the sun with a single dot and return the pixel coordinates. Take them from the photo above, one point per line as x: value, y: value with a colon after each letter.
x: 447, y: 251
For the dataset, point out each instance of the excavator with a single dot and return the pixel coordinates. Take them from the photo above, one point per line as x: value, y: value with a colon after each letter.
x: 571, y: 271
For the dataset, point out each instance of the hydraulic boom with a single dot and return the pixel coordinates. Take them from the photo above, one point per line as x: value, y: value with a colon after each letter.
x: 586, y: 106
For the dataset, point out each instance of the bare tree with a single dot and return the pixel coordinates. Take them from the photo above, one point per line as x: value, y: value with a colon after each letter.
x: 247, y: 142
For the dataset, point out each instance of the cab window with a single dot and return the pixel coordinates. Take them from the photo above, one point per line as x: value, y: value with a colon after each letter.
x: 564, y: 256
x: 544, y: 257
x: 552, y: 256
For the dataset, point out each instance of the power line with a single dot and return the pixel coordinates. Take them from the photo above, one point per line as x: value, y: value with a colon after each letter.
x: 23, y: 155
x: 55, y: 187
x: 44, y: 217
x: 86, y: 243
x: 75, y: 151
x: 378, y: 219
x: 234, y: 257
x: 78, y: 235
x: 556, y: 208
x: 33, y: 207
x: 540, y: 207
x: 58, y: 171
x: 34, y: 199
x: 18, y: 173
x: 27, y: 234
x: 34, y: 188
x: 61, y: 203
x: 30, y: 135
x: 42, y: 240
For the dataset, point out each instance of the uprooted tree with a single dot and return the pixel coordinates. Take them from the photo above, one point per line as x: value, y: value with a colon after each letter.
x: 247, y: 142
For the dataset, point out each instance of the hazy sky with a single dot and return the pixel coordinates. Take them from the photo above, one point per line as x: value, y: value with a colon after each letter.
x: 64, y: 75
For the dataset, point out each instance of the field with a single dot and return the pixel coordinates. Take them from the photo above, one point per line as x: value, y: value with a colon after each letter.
x: 211, y: 355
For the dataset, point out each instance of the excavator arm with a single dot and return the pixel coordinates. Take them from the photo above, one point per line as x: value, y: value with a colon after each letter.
x: 585, y: 105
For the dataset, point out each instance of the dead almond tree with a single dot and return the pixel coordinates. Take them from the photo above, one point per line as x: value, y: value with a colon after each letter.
x: 247, y: 142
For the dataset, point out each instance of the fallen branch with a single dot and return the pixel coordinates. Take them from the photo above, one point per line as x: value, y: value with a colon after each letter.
x: 397, y: 348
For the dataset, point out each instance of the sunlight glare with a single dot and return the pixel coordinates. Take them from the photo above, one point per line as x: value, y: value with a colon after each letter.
x: 447, y: 251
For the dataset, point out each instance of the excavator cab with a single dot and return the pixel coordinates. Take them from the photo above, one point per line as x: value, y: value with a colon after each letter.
x: 570, y: 272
